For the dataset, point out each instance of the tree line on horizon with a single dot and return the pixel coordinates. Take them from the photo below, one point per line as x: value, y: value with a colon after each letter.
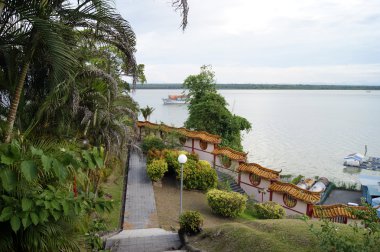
x: 265, y: 86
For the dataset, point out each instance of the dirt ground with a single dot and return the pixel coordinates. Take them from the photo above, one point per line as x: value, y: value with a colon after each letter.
x: 167, y: 202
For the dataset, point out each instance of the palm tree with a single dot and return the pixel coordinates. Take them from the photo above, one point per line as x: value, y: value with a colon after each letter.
x: 45, y: 31
x: 146, y: 112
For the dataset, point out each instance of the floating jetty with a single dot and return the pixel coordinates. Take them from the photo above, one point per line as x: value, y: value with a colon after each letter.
x: 363, y: 162
x: 372, y: 163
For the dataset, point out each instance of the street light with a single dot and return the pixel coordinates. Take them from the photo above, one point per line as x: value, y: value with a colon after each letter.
x: 181, y: 159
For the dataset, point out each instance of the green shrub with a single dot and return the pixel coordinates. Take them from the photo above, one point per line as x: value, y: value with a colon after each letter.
x: 191, y: 222
x: 152, y: 142
x: 171, y: 157
x: 297, y: 179
x: 156, y: 169
x: 227, y: 204
x: 269, y: 210
x: 198, y: 175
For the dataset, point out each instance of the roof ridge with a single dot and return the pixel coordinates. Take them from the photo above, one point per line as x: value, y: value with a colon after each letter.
x: 216, y: 138
x: 232, y: 150
x: 296, y: 187
x: 263, y: 168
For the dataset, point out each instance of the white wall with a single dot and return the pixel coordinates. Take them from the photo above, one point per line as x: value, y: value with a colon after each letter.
x: 300, y: 208
x: 258, y: 192
x: 204, y: 154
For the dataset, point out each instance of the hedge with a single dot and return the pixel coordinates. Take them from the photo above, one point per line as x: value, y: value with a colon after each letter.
x: 156, y: 169
x: 269, y: 210
x: 227, y: 204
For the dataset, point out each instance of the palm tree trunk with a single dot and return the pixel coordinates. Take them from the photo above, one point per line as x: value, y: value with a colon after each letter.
x: 15, y: 101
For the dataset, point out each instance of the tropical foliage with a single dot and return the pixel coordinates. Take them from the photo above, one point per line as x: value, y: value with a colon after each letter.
x: 40, y: 195
x: 208, y: 110
x: 66, y: 68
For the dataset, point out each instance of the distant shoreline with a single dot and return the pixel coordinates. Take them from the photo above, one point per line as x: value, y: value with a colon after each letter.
x: 266, y: 87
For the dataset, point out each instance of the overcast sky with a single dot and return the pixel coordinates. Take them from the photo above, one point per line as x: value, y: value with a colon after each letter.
x: 257, y: 41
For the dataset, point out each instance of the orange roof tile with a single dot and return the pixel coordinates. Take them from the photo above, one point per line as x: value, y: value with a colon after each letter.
x: 259, y: 170
x: 202, y: 135
x: 228, y: 152
x: 331, y: 211
x: 295, y: 191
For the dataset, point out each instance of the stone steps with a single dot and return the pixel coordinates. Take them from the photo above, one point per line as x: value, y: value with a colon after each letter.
x: 148, y: 240
x: 233, y: 185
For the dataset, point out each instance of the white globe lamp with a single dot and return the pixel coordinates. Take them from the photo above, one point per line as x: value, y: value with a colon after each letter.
x: 181, y: 159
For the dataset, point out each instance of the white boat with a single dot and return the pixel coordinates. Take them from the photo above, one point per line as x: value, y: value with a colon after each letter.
x: 355, y: 159
x: 175, y: 99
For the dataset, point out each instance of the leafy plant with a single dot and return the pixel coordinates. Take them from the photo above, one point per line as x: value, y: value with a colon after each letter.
x: 269, y: 210
x: 37, y: 195
x: 198, y: 175
x: 227, y: 204
x: 156, y: 169
x: 191, y: 222
x: 152, y: 142
x: 93, y: 240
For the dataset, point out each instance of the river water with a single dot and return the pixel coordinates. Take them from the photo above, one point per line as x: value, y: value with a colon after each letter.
x: 296, y: 131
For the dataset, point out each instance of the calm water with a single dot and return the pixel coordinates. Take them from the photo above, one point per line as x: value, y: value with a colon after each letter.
x: 300, y: 132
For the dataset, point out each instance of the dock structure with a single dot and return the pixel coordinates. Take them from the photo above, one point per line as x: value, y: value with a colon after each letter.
x: 373, y: 163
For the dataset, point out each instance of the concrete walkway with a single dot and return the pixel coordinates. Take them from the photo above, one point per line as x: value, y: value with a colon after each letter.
x: 140, y: 205
x: 140, y: 228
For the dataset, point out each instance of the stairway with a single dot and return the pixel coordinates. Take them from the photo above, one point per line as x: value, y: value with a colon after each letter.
x: 147, y: 240
x: 222, y: 177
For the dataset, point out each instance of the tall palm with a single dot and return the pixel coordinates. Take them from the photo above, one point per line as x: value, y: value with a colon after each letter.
x: 146, y: 112
x: 45, y: 30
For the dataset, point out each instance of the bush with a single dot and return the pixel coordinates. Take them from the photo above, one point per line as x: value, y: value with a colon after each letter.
x: 152, y: 142
x: 297, y: 179
x: 269, y: 210
x: 198, y: 175
x: 171, y: 157
x: 156, y: 169
x: 227, y: 204
x: 191, y: 222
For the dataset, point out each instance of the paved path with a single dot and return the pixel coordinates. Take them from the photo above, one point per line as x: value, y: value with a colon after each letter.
x: 140, y: 206
x: 140, y: 228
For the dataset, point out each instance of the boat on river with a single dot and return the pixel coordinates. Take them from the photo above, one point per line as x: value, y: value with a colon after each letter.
x: 175, y: 99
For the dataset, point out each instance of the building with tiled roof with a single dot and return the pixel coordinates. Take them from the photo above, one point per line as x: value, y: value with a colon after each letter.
x: 255, y: 179
x: 338, y: 213
x: 294, y: 199
x: 295, y: 191
x: 227, y: 160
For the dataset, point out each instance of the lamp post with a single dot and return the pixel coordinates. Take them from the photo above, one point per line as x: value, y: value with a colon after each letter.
x: 181, y: 159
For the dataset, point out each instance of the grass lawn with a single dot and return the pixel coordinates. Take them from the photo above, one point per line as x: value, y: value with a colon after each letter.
x: 244, y: 233
x: 261, y: 235
x: 114, y: 187
x: 167, y: 203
